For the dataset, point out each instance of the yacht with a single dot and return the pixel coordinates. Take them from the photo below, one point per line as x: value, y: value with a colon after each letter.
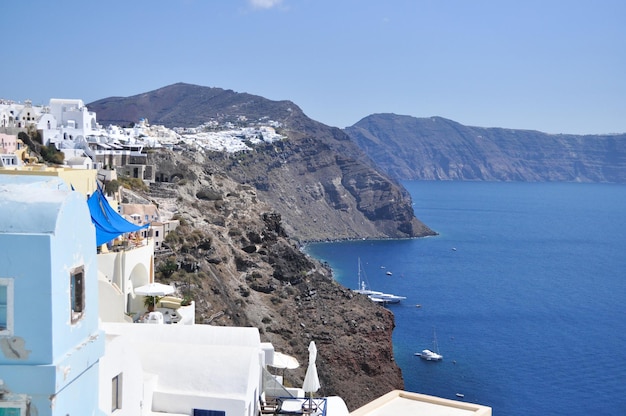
x: 374, y: 295
x: 431, y: 355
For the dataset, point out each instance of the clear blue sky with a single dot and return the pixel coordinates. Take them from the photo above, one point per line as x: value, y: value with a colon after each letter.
x: 557, y: 66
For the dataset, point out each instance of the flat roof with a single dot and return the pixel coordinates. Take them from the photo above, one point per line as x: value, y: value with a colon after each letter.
x: 32, y: 204
x: 400, y: 402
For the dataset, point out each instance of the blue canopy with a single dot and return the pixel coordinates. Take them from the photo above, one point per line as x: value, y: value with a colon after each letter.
x: 109, y: 224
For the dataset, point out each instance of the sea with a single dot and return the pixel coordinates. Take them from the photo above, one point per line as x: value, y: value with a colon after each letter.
x: 524, y: 290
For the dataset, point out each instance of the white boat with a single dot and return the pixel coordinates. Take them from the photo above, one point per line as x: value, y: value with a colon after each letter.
x: 374, y: 295
x: 431, y: 355
x: 389, y: 298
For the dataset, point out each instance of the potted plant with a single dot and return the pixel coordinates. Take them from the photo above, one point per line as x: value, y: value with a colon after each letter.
x: 186, y: 301
x: 151, y: 301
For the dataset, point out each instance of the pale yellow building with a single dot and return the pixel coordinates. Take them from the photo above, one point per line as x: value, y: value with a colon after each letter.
x: 399, y: 402
x: 82, y: 180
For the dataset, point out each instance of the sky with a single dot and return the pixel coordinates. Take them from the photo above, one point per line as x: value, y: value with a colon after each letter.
x: 557, y: 66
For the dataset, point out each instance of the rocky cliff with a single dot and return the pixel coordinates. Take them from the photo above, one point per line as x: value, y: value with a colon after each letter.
x: 434, y: 148
x: 325, y: 194
x: 232, y: 255
x: 243, y: 217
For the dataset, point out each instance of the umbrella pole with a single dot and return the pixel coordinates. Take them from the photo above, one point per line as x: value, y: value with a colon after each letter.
x: 308, y: 405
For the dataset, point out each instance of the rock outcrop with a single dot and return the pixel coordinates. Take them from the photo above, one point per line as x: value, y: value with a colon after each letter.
x: 323, y: 195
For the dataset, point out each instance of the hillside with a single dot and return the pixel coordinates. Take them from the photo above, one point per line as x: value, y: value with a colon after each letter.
x: 232, y: 255
x: 322, y: 184
x: 243, y: 217
x: 410, y: 148
x: 187, y: 105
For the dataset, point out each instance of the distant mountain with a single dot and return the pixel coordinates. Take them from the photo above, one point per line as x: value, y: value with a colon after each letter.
x: 322, y: 184
x: 187, y: 105
x: 435, y: 148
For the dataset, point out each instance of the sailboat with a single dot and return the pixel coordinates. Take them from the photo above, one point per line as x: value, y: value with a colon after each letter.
x: 431, y: 355
x: 375, y: 296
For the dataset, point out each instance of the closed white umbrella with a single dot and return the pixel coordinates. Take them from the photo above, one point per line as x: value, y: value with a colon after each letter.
x: 311, y: 382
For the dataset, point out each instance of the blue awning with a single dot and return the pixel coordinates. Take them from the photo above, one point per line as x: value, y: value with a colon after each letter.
x: 109, y: 224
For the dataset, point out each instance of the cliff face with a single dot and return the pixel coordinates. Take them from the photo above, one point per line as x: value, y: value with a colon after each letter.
x: 326, y: 194
x: 439, y: 149
x: 232, y: 255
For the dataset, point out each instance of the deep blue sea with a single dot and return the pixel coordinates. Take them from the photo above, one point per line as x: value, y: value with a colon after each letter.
x: 525, y: 287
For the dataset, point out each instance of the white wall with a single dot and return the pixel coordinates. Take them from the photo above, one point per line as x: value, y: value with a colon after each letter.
x: 121, y: 358
x: 128, y: 269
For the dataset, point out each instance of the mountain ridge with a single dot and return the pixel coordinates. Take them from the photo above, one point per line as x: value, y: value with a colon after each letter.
x: 176, y: 105
x: 435, y: 148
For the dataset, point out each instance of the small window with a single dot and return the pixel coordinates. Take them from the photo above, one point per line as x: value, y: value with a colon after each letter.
x: 116, y: 393
x: 12, y: 408
x: 6, y: 307
x: 77, y: 292
x: 204, y: 412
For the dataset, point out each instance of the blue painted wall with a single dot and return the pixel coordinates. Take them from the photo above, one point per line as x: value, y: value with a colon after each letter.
x: 45, y: 231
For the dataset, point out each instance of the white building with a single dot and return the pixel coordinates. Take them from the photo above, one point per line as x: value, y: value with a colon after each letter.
x: 74, y: 122
x: 15, y: 115
x: 184, y: 369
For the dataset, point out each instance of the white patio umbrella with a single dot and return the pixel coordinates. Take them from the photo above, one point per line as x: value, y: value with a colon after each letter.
x: 284, y: 361
x: 311, y: 380
x: 154, y: 289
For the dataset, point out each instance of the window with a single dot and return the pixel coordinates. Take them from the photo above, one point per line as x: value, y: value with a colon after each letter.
x: 77, y: 292
x: 204, y: 412
x: 116, y: 392
x: 12, y: 408
x: 6, y: 307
